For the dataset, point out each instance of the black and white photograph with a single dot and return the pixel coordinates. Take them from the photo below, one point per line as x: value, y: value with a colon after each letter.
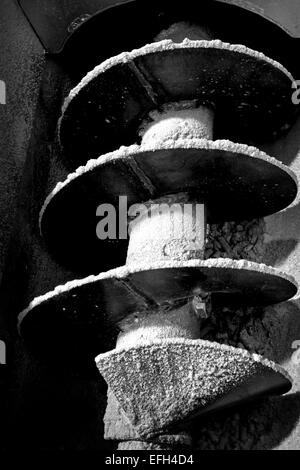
x: 149, y: 228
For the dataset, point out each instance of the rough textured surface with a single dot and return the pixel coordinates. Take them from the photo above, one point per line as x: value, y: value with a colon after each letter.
x: 143, y: 445
x: 206, y: 168
x: 47, y: 408
x: 268, y: 332
x: 125, y: 153
x: 247, y: 109
x: 237, y: 240
x: 168, y: 230
x: 179, y: 322
x: 254, y: 329
x: 119, y: 428
x: 56, y: 411
x: 72, y: 288
x: 163, y: 46
x: 160, y: 383
x: 177, y: 121
x: 21, y: 64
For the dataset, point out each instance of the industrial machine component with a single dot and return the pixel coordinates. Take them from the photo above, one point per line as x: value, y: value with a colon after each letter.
x: 170, y: 99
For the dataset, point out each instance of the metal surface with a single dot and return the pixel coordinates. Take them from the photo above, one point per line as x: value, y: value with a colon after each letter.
x: 251, y: 95
x: 54, y: 21
x: 284, y: 13
x: 234, y: 185
x: 185, y: 372
x: 78, y: 320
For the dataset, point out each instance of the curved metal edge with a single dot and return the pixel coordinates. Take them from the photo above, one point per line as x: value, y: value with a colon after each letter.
x: 69, y: 36
x: 123, y: 271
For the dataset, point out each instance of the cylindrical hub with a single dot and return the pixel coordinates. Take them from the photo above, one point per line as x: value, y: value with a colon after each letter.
x: 176, y: 121
x: 141, y: 327
x: 118, y: 428
x: 171, y: 228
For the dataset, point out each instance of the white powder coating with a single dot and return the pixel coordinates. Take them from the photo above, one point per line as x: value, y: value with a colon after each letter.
x: 128, y: 153
x: 170, y: 230
x: 166, y: 45
x: 124, y: 271
x: 173, y: 123
x: 145, y: 326
x: 159, y: 383
x: 118, y: 428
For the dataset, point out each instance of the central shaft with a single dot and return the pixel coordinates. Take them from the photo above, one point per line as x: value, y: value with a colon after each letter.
x: 170, y: 228
x: 179, y: 322
x: 177, y: 121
